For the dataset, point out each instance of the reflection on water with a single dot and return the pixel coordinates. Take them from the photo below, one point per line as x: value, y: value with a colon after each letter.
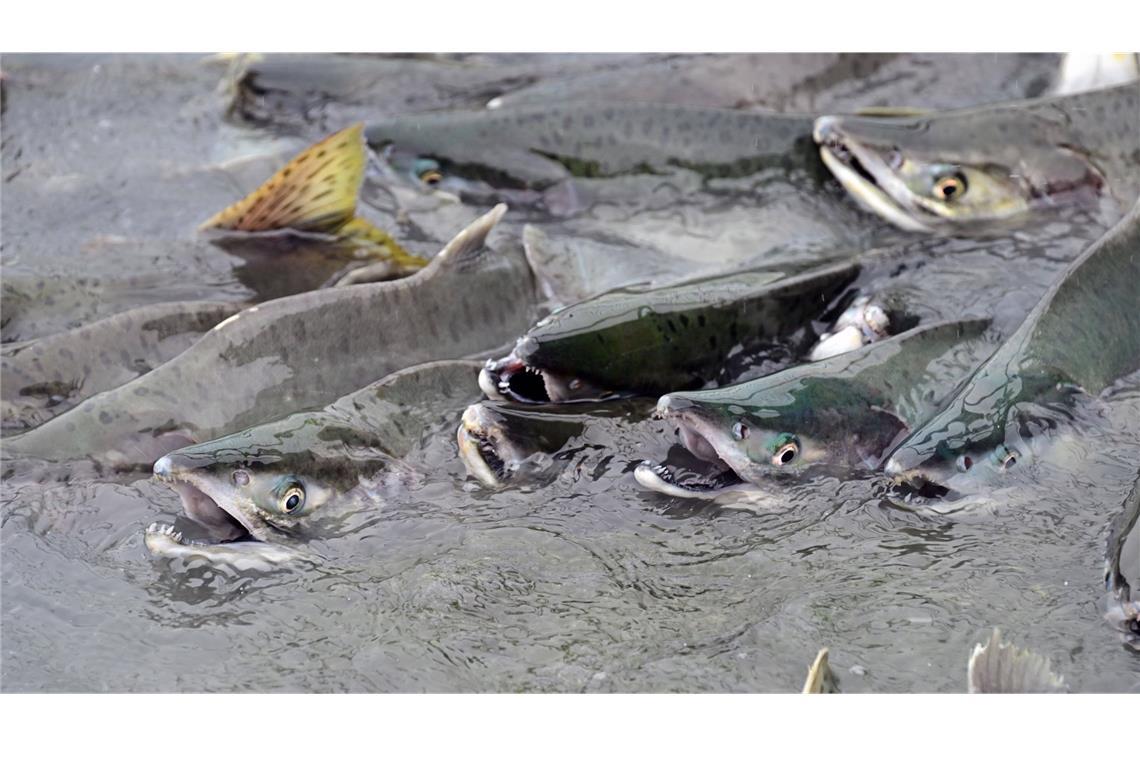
x: 584, y: 583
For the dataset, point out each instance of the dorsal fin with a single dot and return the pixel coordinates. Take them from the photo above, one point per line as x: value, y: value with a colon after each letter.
x: 467, y: 245
x: 315, y: 192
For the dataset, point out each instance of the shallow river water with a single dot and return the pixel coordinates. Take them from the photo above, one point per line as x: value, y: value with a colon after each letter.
x: 584, y: 584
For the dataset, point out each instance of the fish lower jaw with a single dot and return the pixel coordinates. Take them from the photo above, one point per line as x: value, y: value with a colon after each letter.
x: 480, y: 458
x: 224, y: 524
x: 863, y: 188
x: 665, y: 480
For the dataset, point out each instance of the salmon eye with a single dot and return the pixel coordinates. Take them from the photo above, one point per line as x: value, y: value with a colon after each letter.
x: 240, y: 478
x: 292, y: 500
x: 740, y: 431
x: 965, y: 463
x: 786, y: 454
x: 950, y: 187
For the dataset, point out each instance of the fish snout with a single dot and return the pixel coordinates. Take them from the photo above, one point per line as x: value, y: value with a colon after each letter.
x: 826, y: 130
x: 671, y: 404
x: 173, y: 465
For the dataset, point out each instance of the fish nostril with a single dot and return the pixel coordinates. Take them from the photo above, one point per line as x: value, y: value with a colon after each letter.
x: 240, y: 478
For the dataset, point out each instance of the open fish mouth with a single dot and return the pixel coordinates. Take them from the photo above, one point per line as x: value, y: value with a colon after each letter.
x: 223, y: 524
x: 866, y: 177
x: 688, y: 484
x: 477, y: 450
x: 512, y: 379
x: 703, y: 475
x: 913, y: 484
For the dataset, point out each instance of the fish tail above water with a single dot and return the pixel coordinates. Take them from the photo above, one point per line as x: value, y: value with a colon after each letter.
x: 998, y: 667
x: 361, y: 232
x: 315, y: 192
x: 820, y: 678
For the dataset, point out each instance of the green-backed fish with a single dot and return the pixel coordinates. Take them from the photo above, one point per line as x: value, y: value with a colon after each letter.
x: 46, y: 377
x: 842, y: 412
x: 316, y: 192
x: 651, y: 340
x: 276, y: 486
x: 1083, y: 335
x: 969, y: 170
x: 301, y: 352
x: 527, y: 156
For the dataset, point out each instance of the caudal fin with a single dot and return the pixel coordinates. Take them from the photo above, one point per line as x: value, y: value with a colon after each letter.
x: 1001, y: 668
x: 315, y: 192
x: 362, y: 233
x: 820, y: 679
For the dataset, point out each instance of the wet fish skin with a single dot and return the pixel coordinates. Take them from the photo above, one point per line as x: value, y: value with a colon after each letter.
x: 519, y: 155
x: 986, y: 168
x: 1122, y: 570
x: 651, y: 340
x: 302, y: 352
x: 327, y: 461
x: 45, y: 377
x: 806, y: 82
x: 844, y: 411
x: 1082, y: 336
x: 304, y: 92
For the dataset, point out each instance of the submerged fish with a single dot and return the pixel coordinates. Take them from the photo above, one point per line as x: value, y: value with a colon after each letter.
x: 1083, y: 335
x: 301, y: 352
x: 48, y: 376
x: 845, y: 411
x: 1122, y: 570
x: 316, y: 192
x: 529, y: 149
x: 651, y: 340
x: 502, y: 445
x: 805, y: 82
x: 964, y: 170
x: 698, y: 190
x: 498, y: 444
x: 283, y: 483
x: 298, y: 92
x: 996, y: 667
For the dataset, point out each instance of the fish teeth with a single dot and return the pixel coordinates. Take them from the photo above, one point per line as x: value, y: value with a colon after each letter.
x: 164, y: 530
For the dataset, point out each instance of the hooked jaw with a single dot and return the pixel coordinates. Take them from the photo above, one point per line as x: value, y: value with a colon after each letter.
x: 203, y: 499
x: 514, y: 379
x: 721, y: 463
x: 865, y: 175
x: 477, y: 446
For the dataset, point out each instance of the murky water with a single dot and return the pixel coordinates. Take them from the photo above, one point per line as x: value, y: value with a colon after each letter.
x: 586, y: 583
